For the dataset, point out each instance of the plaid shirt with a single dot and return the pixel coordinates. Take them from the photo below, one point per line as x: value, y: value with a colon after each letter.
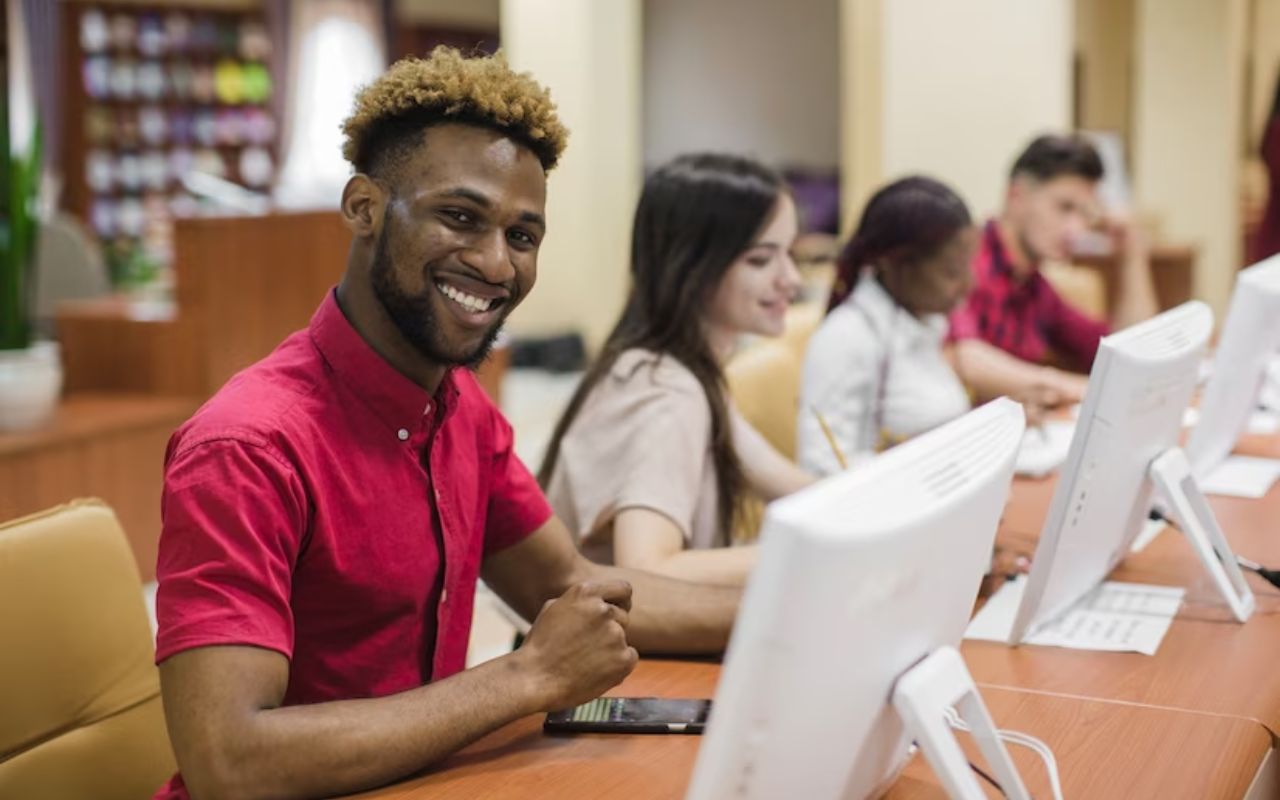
x: 1028, y: 319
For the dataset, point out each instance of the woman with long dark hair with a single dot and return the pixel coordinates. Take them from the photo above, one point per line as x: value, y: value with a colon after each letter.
x: 650, y: 464
x: 1266, y: 241
x: 875, y: 371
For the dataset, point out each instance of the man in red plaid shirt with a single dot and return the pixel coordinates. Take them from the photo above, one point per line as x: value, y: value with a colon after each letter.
x: 1013, y: 324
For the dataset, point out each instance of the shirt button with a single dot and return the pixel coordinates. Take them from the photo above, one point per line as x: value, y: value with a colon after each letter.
x: 403, y: 434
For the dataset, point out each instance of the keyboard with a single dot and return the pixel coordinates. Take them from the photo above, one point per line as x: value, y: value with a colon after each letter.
x: 1044, y: 449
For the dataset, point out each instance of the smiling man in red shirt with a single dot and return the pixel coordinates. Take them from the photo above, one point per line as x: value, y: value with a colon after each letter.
x: 1014, y: 322
x: 328, y: 513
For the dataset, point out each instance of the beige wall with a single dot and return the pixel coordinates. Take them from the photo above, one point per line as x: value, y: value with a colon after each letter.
x: 963, y: 87
x: 588, y: 53
x: 1104, y: 44
x: 764, y: 85
x: 1190, y: 58
x: 861, y: 107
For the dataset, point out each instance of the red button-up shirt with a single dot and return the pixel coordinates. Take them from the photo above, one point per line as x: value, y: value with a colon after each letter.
x: 324, y: 506
x: 1028, y: 319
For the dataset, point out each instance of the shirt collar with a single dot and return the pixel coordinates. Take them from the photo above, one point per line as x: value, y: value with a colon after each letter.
x: 397, y: 401
x: 1002, y: 265
x: 1000, y: 262
x: 872, y: 298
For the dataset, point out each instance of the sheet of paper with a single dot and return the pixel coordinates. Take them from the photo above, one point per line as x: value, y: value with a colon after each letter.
x: 1242, y: 476
x: 1044, y: 449
x: 1261, y: 422
x: 1116, y: 617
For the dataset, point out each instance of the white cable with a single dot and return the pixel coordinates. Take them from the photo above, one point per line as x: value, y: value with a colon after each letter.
x: 1026, y: 740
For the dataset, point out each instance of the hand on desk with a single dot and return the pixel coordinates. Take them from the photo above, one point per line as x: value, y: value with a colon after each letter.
x: 1006, y: 563
x: 577, y: 649
x: 1052, y: 389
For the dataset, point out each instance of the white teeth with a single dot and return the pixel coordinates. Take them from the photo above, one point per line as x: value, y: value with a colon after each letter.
x: 467, y: 301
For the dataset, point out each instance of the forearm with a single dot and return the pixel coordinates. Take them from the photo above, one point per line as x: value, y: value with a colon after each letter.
x: 769, y: 472
x: 1136, y: 298
x: 720, y: 566
x: 990, y: 372
x: 777, y: 478
x: 345, y: 746
x: 680, y: 617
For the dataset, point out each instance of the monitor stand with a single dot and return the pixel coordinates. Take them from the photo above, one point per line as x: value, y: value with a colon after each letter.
x: 1171, y: 474
x: 922, y: 697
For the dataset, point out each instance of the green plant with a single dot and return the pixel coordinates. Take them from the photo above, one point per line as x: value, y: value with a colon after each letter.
x: 129, y: 264
x: 19, y: 185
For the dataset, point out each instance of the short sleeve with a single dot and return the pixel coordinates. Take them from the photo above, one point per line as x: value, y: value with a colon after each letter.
x: 234, y: 515
x: 641, y: 439
x: 962, y: 323
x: 517, y: 506
x: 664, y: 458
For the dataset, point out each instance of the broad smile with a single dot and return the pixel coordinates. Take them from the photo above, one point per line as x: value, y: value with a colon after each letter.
x: 468, y: 306
x: 776, y: 308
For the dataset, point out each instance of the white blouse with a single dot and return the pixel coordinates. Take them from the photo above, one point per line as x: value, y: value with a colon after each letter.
x: 877, y: 375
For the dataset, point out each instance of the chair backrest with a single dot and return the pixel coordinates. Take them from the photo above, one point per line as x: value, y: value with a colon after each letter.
x: 764, y: 381
x: 802, y: 320
x: 69, y: 266
x: 1084, y: 288
x: 80, y: 712
x: 764, y: 378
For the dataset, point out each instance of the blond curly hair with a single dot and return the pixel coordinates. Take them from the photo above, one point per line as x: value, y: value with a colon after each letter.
x: 417, y: 92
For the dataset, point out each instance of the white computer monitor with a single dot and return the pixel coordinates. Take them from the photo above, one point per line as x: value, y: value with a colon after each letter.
x: 859, y: 578
x: 1131, y: 418
x: 1250, y: 338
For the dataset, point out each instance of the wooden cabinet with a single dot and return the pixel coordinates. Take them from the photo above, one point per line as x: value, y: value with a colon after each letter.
x: 97, y: 445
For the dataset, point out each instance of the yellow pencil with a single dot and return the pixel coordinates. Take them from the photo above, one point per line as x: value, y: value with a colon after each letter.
x: 831, y: 439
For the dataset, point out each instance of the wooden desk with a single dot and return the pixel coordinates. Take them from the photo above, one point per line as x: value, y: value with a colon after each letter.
x: 1207, y: 662
x: 107, y: 446
x: 1172, y: 273
x: 1104, y: 750
x: 1107, y: 749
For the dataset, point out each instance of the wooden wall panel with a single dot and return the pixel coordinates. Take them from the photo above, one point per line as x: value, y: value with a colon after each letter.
x: 107, y: 446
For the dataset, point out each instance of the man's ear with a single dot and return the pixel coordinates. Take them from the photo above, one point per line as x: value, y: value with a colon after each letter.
x: 1016, y: 194
x: 363, y: 205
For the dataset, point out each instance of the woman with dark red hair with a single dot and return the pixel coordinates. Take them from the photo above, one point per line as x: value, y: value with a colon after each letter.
x: 875, y: 372
x: 1266, y: 241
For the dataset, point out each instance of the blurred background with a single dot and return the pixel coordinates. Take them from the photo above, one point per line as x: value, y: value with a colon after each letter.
x: 174, y: 169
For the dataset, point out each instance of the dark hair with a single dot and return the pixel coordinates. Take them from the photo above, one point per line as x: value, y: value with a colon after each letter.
x: 1272, y: 119
x: 908, y: 220
x: 696, y: 215
x: 1275, y: 101
x: 1053, y: 155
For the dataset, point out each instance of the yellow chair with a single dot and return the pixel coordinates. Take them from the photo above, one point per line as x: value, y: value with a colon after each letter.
x: 802, y: 321
x: 80, y: 713
x: 764, y: 378
x: 1084, y: 288
x: 764, y: 381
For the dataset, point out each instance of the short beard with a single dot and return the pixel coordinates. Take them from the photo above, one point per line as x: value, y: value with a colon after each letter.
x: 415, y: 317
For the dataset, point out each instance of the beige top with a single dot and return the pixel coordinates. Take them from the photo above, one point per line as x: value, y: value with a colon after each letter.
x: 642, y: 439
